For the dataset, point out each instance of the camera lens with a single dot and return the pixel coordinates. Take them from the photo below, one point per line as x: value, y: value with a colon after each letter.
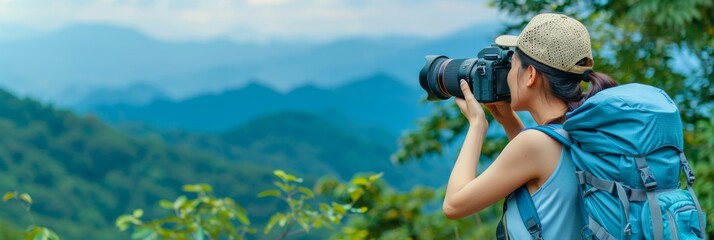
x: 441, y: 75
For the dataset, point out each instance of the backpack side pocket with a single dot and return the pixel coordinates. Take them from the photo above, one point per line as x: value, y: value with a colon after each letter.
x: 680, y: 216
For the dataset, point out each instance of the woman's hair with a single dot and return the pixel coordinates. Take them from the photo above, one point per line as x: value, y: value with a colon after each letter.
x: 565, y: 85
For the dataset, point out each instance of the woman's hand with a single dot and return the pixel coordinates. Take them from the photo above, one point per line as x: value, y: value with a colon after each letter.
x: 470, y: 108
x: 502, y: 112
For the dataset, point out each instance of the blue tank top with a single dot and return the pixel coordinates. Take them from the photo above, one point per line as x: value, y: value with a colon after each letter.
x: 558, y: 205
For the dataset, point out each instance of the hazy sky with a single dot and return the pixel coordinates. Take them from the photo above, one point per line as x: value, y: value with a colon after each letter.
x: 250, y: 20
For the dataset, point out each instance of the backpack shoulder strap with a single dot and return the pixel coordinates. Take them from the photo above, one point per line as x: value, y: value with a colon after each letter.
x: 556, y: 132
x: 528, y: 212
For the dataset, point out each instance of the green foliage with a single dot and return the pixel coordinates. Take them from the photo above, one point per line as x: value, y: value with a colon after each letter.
x: 208, y: 217
x: 33, y: 232
x: 307, y: 216
x: 415, y: 215
x: 202, y: 217
x: 701, y: 151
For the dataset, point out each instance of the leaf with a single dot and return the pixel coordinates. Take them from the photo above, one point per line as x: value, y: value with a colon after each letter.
x: 138, y: 213
x: 308, y: 193
x: 317, y: 223
x: 285, y: 187
x: 340, y: 209
x: 375, y: 177
x: 283, y: 221
x: 271, y: 192
x: 41, y: 233
x: 8, y: 196
x: 356, y: 193
x: 273, y: 219
x: 205, y: 187
x: 33, y: 232
x: 166, y: 204
x: 286, y: 177
x: 123, y: 222
x: 243, y: 218
x: 360, y: 181
x: 281, y: 174
x: 324, y: 207
x: 179, y: 202
x: 292, y: 178
x: 26, y: 197
x: 192, y: 188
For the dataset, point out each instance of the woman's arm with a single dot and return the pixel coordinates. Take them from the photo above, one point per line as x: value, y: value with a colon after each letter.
x: 466, y: 193
x: 465, y: 167
x: 520, y: 162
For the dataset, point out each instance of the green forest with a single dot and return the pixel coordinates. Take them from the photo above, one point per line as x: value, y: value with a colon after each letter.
x: 74, y: 177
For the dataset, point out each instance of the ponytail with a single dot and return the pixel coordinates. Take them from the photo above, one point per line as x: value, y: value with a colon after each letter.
x: 598, y: 82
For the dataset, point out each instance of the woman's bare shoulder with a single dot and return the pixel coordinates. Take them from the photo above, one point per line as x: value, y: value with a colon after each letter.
x: 533, y: 144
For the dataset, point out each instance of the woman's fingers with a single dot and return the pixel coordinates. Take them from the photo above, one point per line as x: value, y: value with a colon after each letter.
x: 466, y: 90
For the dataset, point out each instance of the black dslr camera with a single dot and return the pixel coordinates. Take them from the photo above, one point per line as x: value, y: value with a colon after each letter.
x: 486, y: 75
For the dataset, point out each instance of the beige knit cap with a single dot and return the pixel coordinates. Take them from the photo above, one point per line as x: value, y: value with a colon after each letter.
x: 555, y: 40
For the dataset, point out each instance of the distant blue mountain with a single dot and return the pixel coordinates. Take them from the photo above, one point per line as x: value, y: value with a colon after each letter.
x: 379, y: 100
x: 92, y: 55
x: 88, y: 57
x: 137, y: 94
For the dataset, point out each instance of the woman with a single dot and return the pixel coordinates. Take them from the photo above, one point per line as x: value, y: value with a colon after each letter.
x: 553, y: 56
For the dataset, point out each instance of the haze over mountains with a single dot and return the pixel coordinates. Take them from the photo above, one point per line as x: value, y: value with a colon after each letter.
x: 379, y: 100
x: 64, y: 66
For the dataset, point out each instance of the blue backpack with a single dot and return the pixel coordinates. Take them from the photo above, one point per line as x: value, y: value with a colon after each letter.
x: 627, y: 146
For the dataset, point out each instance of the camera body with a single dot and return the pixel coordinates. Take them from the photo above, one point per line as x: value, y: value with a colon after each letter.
x: 486, y: 75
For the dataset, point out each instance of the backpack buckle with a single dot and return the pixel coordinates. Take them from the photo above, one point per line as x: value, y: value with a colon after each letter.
x: 688, y: 171
x: 686, y: 168
x: 628, y: 229
x: 534, y: 230
x: 648, y: 178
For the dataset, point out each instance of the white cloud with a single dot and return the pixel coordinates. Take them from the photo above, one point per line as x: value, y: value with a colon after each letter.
x: 254, y: 20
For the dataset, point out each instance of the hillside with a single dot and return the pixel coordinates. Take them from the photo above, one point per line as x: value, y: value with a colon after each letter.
x: 307, y: 144
x: 83, y: 173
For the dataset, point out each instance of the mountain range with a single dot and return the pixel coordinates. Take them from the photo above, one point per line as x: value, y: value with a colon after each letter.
x: 379, y: 100
x: 63, y: 67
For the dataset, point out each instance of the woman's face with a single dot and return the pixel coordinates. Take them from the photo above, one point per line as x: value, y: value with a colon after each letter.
x: 514, y: 76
